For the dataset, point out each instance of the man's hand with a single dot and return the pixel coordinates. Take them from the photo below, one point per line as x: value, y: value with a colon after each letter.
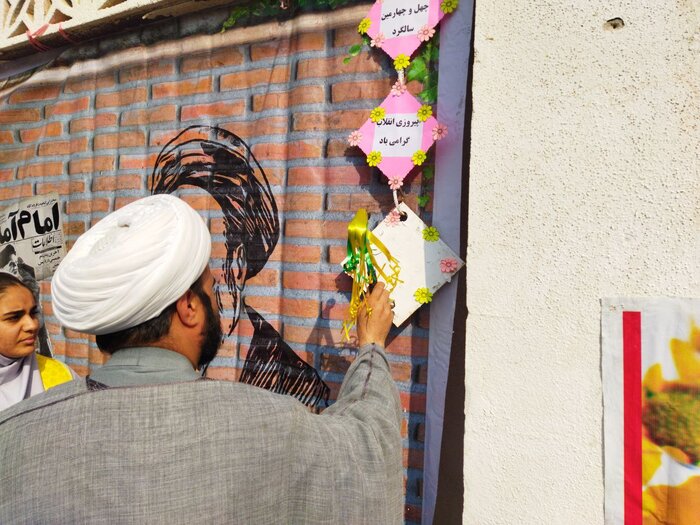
x: 375, y: 316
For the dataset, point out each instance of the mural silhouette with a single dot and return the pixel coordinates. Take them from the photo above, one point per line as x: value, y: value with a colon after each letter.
x: 222, y: 164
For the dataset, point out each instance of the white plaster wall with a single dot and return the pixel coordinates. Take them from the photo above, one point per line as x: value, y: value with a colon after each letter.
x: 584, y: 184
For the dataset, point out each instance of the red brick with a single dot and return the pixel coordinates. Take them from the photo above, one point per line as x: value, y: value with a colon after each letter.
x: 89, y: 84
x: 317, y: 229
x: 401, y: 372
x: 408, y: 346
x: 95, y: 357
x: 308, y: 149
x: 74, y: 228
x: 255, y: 77
x: 6, y: 137
x: 87, y: 205
x: 101, y: 120
x: 201, y: 201
x: 347, y: 119
x: 125, y: 97
x: 124, y: 139
x: 7, y: 175
x: 347, y: 36
x: 16, y: 154
x: 313, y: 336
x: 68, y: 106
x: 217, y: 109
x: 137, y: 162
x: 34, y: 94
x: 92, y: 165
x: 62, y: 187
x: 223, y: 373
x: 207, y: 62
x: 15, y: 116
x: 114, y: 183
x: 366, y: 90
x: 14, y: 192
x: 373, y: 203
x: 46, y: 169
x: 331, y: 66
x: 267, y: 278
x: 341, y: 148
x: 316, y: 281
x: 413, y: 458
x: 413, y: 402
x: 76, y: 350
x: 146, y: 71
x: 336, y: 254
x: 259, y: 127
x: 303, y: 42
x: 52, y: 129
x: 140, y: 117
x: 335, y: 363
x: 183, y: 88
x: 64, y: 147
x: 81, y: 370
x: 296, y: 253
x: 120, y: 202
x: 285, y: 99
x: 328, y: 175
x: 162, y: 137
x: 335, y: 311
x: 284, y: 305
x: 300, y: 201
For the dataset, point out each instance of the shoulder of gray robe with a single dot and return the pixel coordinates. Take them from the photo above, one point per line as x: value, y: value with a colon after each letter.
x: 205, y: 452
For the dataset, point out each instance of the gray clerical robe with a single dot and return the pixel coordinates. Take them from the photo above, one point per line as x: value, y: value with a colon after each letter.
x: 160, y: 446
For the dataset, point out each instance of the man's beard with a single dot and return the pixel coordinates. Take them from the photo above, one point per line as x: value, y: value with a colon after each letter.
x: 213, y: 334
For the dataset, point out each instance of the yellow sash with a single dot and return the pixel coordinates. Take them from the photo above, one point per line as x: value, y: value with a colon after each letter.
x: 52, y: 371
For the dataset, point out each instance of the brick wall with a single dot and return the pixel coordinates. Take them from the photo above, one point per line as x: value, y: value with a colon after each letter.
x: 91, y: 127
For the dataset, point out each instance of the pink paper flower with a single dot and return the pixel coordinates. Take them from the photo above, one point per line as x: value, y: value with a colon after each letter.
x: 393, y: 219
x: 355, y: 138
x: 398, y: 89
x: 439, y: 132
x: 448, y: 265
x: 395, y: 183
x: 378, y: 40
x: 425, y: 33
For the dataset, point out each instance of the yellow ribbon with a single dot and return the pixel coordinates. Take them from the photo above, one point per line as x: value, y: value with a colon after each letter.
x: 362, y: 266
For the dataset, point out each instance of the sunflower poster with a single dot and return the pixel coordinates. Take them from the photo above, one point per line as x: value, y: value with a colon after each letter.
x: 651, y: 396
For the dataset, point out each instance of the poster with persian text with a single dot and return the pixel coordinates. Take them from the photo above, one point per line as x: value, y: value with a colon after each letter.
x: 651, y: 395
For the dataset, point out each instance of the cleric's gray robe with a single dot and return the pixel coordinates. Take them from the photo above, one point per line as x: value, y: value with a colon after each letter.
x: 203, y: 452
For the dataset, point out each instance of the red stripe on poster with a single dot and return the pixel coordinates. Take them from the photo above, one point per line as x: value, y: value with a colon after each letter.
x: 632, y: 347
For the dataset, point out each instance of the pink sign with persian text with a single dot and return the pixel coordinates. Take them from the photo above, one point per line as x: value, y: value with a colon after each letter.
x: 400, y: 26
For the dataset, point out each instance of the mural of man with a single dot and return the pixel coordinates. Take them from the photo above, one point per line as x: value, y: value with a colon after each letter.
x: 221, y: 163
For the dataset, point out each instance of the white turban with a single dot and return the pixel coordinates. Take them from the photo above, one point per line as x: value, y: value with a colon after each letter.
x: 130, y: 266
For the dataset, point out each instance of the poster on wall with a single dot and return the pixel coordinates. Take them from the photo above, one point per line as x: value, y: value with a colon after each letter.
x: 651, y: 395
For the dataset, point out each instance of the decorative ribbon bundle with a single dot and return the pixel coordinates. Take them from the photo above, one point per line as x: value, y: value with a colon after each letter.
x: 362, y: 266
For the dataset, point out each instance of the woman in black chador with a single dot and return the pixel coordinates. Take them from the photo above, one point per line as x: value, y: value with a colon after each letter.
x: 219, y: 162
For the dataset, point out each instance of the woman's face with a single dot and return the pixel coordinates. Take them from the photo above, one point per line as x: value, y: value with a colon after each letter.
x: 18, y: 322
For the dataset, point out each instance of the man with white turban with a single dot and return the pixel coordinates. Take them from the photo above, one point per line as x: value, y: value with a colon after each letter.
x: 145, y: 440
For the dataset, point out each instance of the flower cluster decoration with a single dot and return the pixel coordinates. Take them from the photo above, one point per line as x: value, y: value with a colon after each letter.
x: 423, y: 295
x: 431, y: 234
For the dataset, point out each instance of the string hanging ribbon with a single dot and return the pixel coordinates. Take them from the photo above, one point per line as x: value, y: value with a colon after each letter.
x: 362, y: 266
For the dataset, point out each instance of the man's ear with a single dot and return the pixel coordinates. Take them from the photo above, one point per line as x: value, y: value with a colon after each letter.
x: 187, y: 307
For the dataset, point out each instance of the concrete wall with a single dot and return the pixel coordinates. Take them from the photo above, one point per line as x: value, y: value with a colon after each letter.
x: 584, y: 184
